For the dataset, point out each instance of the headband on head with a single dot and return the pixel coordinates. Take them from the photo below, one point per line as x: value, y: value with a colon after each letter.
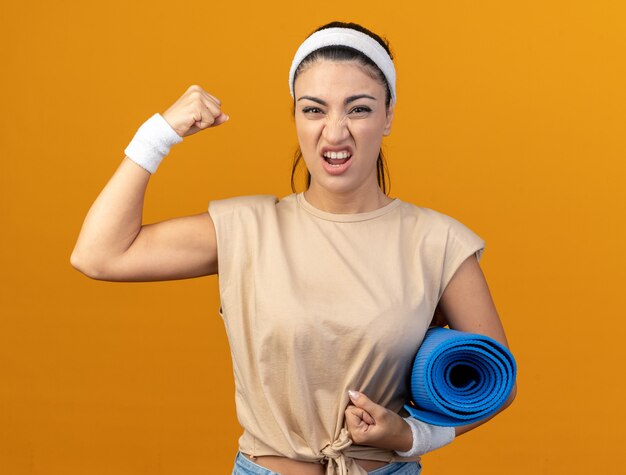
x: 353, y: 39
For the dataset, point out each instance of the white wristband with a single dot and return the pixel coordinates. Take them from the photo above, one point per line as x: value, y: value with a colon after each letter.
x: 427, y: 437
x: 152, y: 142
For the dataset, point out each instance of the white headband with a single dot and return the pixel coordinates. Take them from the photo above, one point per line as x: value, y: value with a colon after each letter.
x: 353, y: 39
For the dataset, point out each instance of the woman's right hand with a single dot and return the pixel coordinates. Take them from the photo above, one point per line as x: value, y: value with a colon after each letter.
x: 194, y: 111
x: 114, y: 244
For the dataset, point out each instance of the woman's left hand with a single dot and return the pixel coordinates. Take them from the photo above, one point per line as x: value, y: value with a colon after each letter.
x: 376, y: 426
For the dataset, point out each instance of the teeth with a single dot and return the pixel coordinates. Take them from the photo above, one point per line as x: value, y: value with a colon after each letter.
x: 340, y: 155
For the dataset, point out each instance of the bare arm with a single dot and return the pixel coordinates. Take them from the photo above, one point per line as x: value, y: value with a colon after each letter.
x: 114, y: 245
x: 468, y: 307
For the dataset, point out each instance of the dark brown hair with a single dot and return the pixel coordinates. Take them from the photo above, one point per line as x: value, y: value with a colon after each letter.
x: 345, y: 53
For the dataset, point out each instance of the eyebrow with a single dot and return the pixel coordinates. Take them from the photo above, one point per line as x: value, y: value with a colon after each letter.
x: 347, y: 101
x: 357, y: 97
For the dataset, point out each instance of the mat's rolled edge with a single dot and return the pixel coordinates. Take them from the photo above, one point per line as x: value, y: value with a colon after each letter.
x: 447, y: 420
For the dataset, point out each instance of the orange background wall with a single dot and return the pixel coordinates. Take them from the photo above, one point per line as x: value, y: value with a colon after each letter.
x: 510, y: 118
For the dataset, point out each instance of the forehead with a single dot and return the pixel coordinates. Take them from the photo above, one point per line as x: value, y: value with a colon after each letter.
x: 329, y: 78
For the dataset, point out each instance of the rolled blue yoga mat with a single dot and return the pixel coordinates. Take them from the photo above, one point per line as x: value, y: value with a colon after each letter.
x: 459, y: 378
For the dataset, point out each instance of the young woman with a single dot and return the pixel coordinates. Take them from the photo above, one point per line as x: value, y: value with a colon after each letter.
x: 326, y: 294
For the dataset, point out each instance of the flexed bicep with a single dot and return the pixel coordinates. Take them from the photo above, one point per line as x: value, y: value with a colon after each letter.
x: 178, y: 248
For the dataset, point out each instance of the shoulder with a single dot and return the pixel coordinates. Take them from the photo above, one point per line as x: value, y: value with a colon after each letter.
x: 442, y: 230
x: 430, y: 217
x: 250, y: 203
x: 240, y: 220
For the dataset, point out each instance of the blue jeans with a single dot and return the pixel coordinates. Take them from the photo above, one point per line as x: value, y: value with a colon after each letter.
x: 245, y: 466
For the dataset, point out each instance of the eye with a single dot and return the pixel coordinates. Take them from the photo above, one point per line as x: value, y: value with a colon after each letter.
x: 360, y: 110
x: 310, y: 110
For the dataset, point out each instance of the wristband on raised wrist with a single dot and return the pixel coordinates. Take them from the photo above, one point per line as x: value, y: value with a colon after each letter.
x: 152, y: 143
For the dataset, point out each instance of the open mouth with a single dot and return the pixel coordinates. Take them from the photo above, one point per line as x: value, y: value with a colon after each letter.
x: 337, y: 158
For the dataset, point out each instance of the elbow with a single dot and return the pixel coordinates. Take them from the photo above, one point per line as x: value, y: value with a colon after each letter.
x: 86, y: 266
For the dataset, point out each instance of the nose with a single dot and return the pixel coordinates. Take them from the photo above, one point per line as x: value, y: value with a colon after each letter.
x: 336, y: 129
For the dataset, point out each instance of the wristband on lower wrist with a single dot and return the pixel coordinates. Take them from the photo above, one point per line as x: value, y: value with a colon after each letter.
x: 152, y: 143
x: 426, y: 437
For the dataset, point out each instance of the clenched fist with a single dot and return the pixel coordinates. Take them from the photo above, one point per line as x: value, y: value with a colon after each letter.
x: 194, y: 111
x: 374, y: 425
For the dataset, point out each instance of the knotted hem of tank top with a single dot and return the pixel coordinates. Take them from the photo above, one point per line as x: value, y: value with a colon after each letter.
x: 340, y: 456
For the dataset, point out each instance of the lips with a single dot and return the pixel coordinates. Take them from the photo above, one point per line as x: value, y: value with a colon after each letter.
x: 336, y: 156
x: 336, y: 159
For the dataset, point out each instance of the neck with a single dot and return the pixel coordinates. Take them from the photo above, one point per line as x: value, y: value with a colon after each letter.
x: 346, y: 202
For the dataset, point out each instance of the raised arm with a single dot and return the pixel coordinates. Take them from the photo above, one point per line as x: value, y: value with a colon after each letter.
x: 114, y: 244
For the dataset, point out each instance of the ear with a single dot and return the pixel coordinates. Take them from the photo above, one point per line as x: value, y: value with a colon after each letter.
x: 388, y: 120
